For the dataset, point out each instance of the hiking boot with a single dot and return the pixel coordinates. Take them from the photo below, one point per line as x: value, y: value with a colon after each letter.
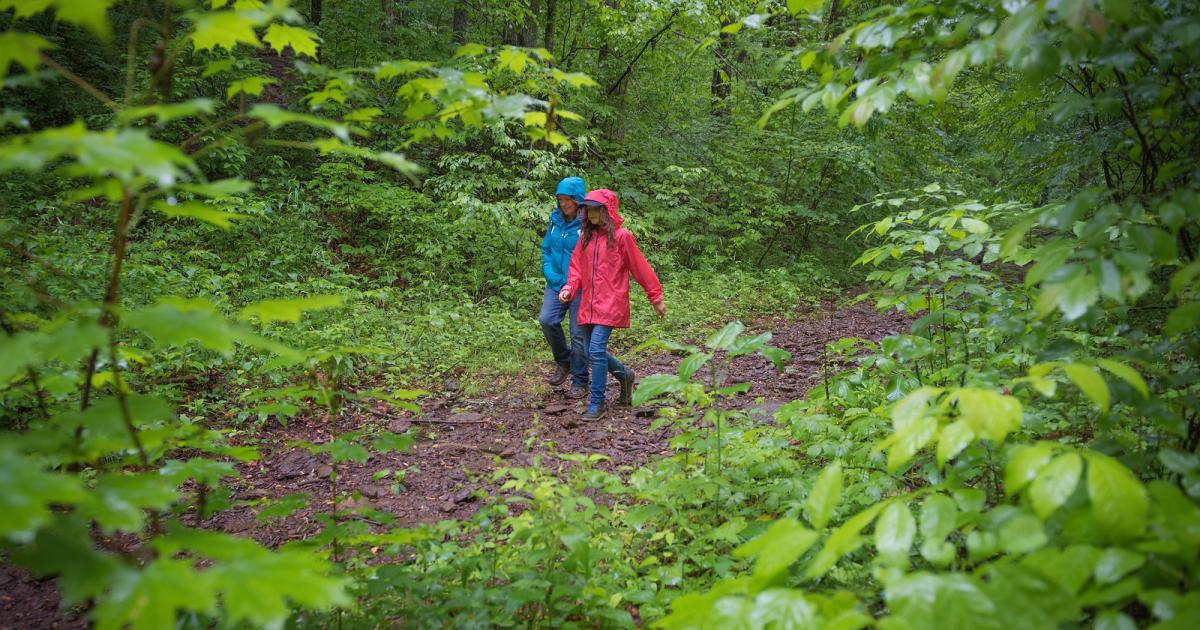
x: 560, y: 374
x: 626, y: 399
x: 576, y: 392
x: 594, y: 412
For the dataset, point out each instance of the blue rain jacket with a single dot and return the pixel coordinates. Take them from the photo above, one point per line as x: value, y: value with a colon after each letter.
x: 562, y: 235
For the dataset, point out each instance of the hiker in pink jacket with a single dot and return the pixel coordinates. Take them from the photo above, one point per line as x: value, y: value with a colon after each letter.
x: 599, y: 273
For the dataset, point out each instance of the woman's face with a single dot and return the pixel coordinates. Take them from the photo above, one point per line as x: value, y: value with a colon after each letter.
x: 568, y: 205
x: 595, y: 214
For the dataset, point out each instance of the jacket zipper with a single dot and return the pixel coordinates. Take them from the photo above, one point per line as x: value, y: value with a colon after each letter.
x: 595, y: 261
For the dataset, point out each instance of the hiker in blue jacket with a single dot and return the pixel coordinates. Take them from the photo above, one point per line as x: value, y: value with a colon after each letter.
x: 557, y: 247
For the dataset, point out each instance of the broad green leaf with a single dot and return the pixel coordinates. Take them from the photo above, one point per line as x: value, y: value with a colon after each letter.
x: 689, y: 365
x: 807, y: 6
x: 177, y: 322
x: 200, y: 211
x: 1024, y: 465
x: 777, y: 548
x: 895, y: 531
x: 1126, y: 373
x: 250, y: 86
x: 276, y: 117
x: 824, y: 496
x: 1115, y: 563
x: 988, y: 412
x: 951, y: 600
x: 1119, y: 501
x: 1055, y: 483
x: 842, y: 541
x: 119, y: 502
x: 344, y: 450
x: 398, y: 442
x: 938, y: 513
x: 470, y: 50
x: 258, y: 586
x: 1088, y: 380
x: 1022, y: 534
x: 952, y: 440
x: 153, y: 597
x: 23, y: 49
x: 1013, y: 237
x: 164, y: 114
x: 225, y: 29
x: 1183, y: 319
x: 302, y: 41
x: 513, y: 59
x: 654, y: 386
x: 29, y: 493
x: 289, y: 310
x: 722, y: 339
x: 218, y: 189
x: 124, y: 154
x: 909, y: 440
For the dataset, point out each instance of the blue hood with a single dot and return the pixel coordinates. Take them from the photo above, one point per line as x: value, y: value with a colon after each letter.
x: 562, y: 235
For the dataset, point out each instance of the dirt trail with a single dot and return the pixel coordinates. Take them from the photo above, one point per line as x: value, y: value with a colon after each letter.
x: 464, y: 440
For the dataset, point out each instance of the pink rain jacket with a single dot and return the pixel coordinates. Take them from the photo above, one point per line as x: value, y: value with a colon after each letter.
x: 601, y: 272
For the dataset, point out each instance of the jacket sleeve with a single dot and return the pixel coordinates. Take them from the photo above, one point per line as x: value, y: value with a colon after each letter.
x: 548, y: 260
x: 575, y: 270
x: 641, y: 270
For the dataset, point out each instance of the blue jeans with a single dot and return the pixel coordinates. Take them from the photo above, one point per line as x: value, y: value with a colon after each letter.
x: 595, y: 336
x: 551, y: 320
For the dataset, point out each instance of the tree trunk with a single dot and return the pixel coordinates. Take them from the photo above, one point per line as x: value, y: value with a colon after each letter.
x: 458, y: 22
x: 314, y: 10
x: 548, y: 39
x: 722, y: 75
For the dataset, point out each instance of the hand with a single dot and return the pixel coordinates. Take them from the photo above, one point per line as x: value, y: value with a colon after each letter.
x: 564, y: 296
x: 661, y: 308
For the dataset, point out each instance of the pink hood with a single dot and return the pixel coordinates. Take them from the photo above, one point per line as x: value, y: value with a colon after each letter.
x: 599, y: 271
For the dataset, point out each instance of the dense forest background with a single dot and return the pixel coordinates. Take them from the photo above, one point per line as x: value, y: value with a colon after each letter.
x: 227, y: 219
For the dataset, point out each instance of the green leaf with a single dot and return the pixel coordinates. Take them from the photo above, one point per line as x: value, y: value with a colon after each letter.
x: 513, y: 59
x: 219, y: 189
x: 199, y: 211
x: 258, y: 586
x: 989, y: 413
x: 1055, y: 484
x: 398, y: 442
x: 807, y: 6
x: 283, y: 507
x: 1119, y: 501
x: 250, y: 86
x: 152, y: 598
x: 952, y: 440
x: 842, y: 541
x: 938, y: 514
x: 29, y: 493
x: 690, y: 364
x: 1088, y: 380
x: 164, y: 114
x: 119, y: 502
x: 225, y: 29
x: 895, y: 531
x: 179, y: 322
x: 1126, y: 373
x: 777, y: 548
x: 1022, y: 534
x: 276, y: 117
x: 1115, y: 563
x: 1183, y: 319
x: 654, y: 386
x: 1025, y: 464
x: 343, y: 450
x: 289, y: 310
x: 1015, y: 235
x: 470, y: 49
x: 302, y: 41
x: 722, y: 339
x: 824, y: 496
x: 23, y: 49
